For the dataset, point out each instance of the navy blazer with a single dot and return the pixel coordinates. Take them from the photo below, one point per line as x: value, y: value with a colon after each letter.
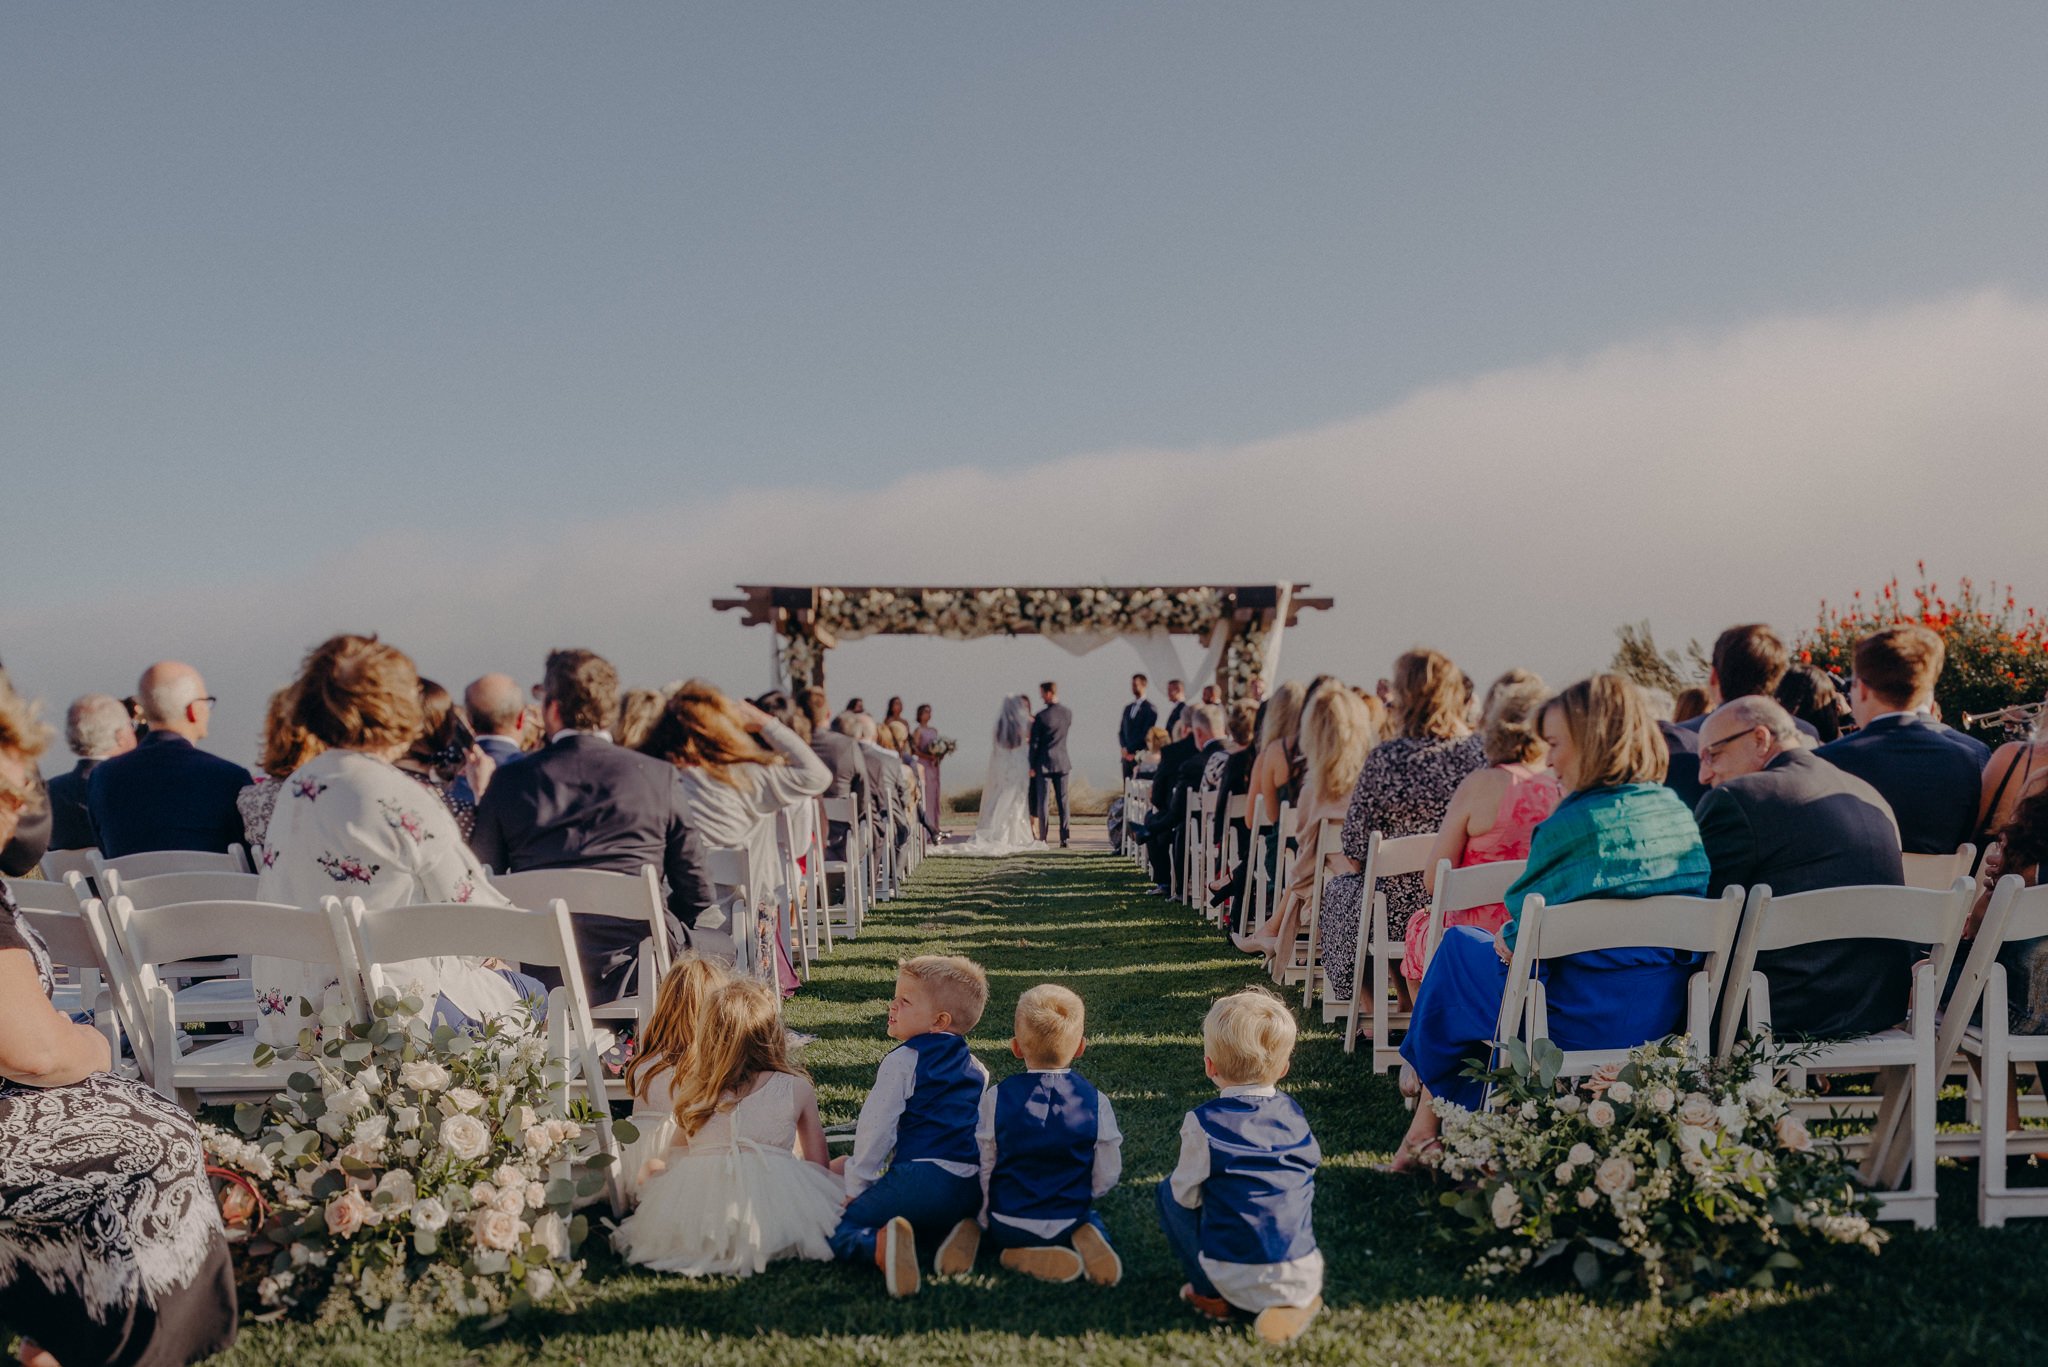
x: 1138, y: 719
x: 1799, y: 824
x: 1930, y: 775
x: 502, y: 749
x: 70, y: 822
x: 165, y: 794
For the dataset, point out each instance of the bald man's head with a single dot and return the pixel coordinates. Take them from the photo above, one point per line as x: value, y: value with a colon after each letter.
x: 495, y: 704
x: 173, y: 698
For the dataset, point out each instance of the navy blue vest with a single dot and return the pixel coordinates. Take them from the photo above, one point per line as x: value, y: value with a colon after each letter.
x: 1046, y: 1125
x: 1257, y: 1202
x: 945, y: 1103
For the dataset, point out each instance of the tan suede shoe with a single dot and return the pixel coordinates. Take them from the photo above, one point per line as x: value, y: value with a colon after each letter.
x: 896, y: 1255
x: 1098, y: 1259
x: 1283, y: 1324
x: 1048, y: 1264
x: 956, y: 1254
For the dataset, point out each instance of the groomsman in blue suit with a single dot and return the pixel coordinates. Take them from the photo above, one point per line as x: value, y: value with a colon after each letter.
x: 167, y: 793
x: 1931, y: 774
x: 1138, y: 720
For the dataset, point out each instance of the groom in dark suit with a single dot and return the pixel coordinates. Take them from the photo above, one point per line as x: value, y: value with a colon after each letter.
x: 1136, y: 724
x: 1049, y: 765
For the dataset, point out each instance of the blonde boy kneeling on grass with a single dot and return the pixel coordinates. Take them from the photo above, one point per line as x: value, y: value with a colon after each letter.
x: 1049, y: 1147
x: 1236, y: 1208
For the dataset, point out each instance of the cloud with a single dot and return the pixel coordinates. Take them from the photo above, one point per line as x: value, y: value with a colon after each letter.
x: 1512, y: 518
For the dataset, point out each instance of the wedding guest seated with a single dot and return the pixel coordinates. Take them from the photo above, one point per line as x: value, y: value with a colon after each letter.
x: 1777, y: 813
x: 1241, y: 750
x: 96, y: 728
x: 1198, y: 772
x: 111, y: 1249
x: 1930, y: 776
x: 1336, y: 734
x: 1691, y: 703
x: 2016, y: 771
x: 1618, y: 833
x: 1157, y: 831
x: 639, y: 710
x: 1147, y: 763
x: 166, y: 793
x: 1748, y: 661
x: 1404, y: 788
x: 22, y: 851
x: 783, y: 708
x: 1810, y: 695
x: 582, y: 802
x: 1495, y: 811
x: 497, y: 714
x: 2021, y: 848
x: 286, y: 745
x: 842, y: 757
x: 351, y: 824
x: 446, y: 760
x: 887, y: 785
x: 732, y: 788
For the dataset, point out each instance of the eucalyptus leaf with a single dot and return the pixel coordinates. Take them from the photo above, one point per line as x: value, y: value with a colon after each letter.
x: 625, y: 1131
x: 1586, y: 1268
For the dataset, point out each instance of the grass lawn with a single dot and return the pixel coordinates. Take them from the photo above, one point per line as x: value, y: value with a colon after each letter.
x: 1148, y: 970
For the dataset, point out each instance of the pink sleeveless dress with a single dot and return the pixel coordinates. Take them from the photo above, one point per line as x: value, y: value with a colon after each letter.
x: 1530, y: 798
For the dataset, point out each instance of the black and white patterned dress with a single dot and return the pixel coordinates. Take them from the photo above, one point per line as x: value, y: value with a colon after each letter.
x: 111, y: 1249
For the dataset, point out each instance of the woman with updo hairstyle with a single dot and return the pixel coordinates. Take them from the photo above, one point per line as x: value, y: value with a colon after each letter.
x: 111, y: 1248
x: 1404, y: 789
x: 446, y: 759
x: 351, y: 823
x: 1618, y: 833
x: 1496, y: 809
x: 739, y: 767
x: 286, y: 745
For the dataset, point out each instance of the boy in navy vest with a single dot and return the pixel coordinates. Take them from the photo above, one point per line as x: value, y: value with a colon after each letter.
x: 1236, y: 1208
x: 915, y: 1169
x: 1049, y: 1148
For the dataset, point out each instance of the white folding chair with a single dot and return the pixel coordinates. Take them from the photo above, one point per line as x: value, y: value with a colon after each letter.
x: 1377, y: 958
x: 1939, y: 871
x: 376, y: 937
x: 58, y: 865
x: 214, y: 991
x: 2017, y: 912
x: 152, y: 938
x: 53, y: 910
x: 121, y: 984
x: 1296, y: 961
x: 1903, y: 1059
x: 803, y: 934
x: 732, y: 878
x: 1228, y: 854
x: 1465, y: 889
x: 131, y: 866
x: 622, y: 896
x: 852, y: 902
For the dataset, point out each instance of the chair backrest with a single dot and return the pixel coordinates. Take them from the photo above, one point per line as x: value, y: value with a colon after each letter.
x: 57, y: 865
x: 188, y: 930
x: 38, y: 894
x: 65, y: 934
x: 1464, y: 889
x: 841, y: 809
x: 236, y: 860
x: 1939, y: 871
x: 728, y: 869
x: 2016, y: 912
x: 594, y: 892
x: 124, y: 984
x: 1387, y: 857
x: 163, y: 889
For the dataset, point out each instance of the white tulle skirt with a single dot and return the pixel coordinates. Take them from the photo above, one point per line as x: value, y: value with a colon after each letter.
x: 731, y: 1213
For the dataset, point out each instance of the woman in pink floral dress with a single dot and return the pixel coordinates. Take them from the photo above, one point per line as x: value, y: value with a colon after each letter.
x: 1496, y: 809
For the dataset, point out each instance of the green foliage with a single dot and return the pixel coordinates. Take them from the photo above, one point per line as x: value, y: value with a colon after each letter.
x: 1637, y: 657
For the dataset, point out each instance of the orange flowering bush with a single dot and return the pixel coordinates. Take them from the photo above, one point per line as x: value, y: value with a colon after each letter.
x: 1997, y: 653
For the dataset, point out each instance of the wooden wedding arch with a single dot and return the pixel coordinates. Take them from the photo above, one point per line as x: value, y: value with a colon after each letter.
x: 809, y: 619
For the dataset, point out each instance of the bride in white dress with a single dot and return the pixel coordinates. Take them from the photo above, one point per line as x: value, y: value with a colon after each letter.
x: 1004, y: 826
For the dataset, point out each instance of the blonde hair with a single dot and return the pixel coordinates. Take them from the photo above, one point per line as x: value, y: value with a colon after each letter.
x: 286, y: 742
x: 958, y: 986
x: 22, y: 734
x: 1283, y: 713
x: 1510, y: 733
x: 665, y: 1047
x: 639, y: 709
x: 358, y: 693
x: 1249, y: 1038
x: 1611, y: 728
x: 1430, y: 695
x: 699, y: 728
x: 1049, y: 1023
x: 739, y: 1036
x: 1337, y: 733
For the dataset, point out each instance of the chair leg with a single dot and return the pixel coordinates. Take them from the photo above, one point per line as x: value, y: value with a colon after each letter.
x: 1991, y: 1185
x: 1925, y: 1086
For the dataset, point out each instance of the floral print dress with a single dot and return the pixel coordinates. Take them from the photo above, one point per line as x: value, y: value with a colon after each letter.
x: 348, y: 825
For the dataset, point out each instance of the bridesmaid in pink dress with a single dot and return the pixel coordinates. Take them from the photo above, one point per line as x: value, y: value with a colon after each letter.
x: 921, y: 742
x: 1496, y: 809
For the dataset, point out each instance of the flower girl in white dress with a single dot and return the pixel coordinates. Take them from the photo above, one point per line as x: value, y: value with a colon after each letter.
x: 743, y: 1179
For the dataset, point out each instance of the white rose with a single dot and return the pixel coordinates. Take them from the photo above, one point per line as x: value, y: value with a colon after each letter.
x: 429, y: 1215
x: 371, y: 1130
x: 465, y: 1137
x: 538, y: 1139
x: 349, y: 1100
x: 494, y: 1229
x: 509, y: 1176
x: 346, y: 1213
x: 1662, y: 1100
x: 1615, y: 1175
x: 423, y: 1075
x: 536, y: 1195
x: 1600, y: 1115
x: 1696, y: 1110
x: 482, y: 1194
x: 1588, y: 1198
x: 370, y: 1080
x: 1528, y: 1110
x: 1569, y: 1103
x: 1793, y: 1135
x: 540, y: 1283
x: 333, y: 1124
x: 463, y: 1099
x: 551, y: 1232
x: 1581, y: 1154
x: 1733, y: 1117
x: 1507, y: 1207
x: 1621, y: 1093
x: 510, y: 1200
x: 405, y: 1118
x: 399, y: 1185
x: 524, y: 1119
x: 1564, y: 1172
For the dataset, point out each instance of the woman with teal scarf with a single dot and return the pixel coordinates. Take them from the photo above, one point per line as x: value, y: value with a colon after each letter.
x: 1618, y: 833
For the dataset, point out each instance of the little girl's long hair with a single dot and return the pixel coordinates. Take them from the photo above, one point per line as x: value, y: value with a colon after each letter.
x: 739, y: 1037
x: 674, y: 1029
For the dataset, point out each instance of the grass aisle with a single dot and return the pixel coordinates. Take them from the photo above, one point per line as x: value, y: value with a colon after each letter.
x: 1148, y: 971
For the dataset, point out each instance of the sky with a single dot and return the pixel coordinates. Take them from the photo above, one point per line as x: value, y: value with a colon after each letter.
x: 495, y: 328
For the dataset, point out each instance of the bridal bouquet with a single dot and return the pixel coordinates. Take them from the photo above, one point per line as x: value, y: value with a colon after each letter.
x: 1665, y: 1173
x: 942, y: 747
x: 414, y: 1171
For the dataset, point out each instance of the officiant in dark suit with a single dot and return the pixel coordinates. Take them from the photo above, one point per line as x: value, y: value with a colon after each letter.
x: 1049, y: 763
x: 1137, y: 722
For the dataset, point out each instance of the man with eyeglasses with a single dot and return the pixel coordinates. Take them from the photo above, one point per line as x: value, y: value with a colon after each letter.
x: 167, y: 793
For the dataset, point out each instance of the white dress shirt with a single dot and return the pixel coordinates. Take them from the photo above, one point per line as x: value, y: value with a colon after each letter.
x: 1248, y: 1286
x: 1109, y: 1158
x: 874, y: 1135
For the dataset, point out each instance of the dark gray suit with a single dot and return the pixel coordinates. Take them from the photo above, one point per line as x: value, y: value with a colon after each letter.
x: 1050, y: 766
x: 1800, y: 824
x: 1931, y: 775
x: 585, y: 803
x: 70, y: 822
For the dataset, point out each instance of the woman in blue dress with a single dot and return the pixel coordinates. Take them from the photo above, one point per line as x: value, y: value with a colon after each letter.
x: 1618, y: 833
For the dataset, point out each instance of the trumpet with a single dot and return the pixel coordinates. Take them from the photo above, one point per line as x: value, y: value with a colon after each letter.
x: 2018, y: 717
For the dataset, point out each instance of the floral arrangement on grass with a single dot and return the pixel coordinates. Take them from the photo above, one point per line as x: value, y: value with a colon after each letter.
x: 417, y: 1171
x: 1664, y: 1174
x: 1997, y: 653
